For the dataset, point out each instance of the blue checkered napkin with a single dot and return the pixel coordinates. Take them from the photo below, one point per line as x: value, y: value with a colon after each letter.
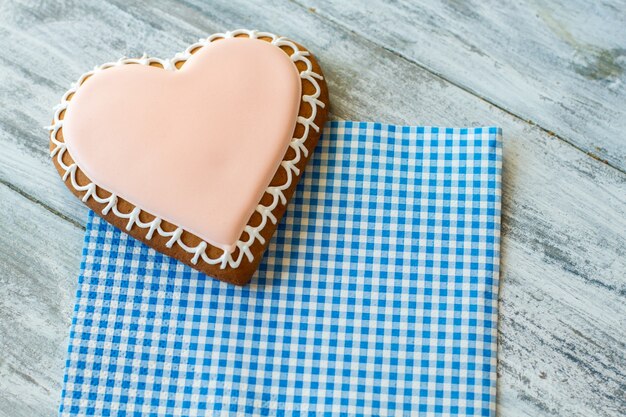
x: 377, y: 296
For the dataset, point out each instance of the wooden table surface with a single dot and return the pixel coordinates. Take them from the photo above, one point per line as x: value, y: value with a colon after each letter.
x: 553, y: 76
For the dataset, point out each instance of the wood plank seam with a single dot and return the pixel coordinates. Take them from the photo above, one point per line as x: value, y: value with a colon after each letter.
x: 41, y: 204
x: 460, y: 86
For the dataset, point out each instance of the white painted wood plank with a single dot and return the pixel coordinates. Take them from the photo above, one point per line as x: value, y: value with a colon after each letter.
x: 561, y: 64
x: 39, y: 261
x: 563, y: 244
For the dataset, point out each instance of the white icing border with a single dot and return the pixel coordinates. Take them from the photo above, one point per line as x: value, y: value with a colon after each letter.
x: 277, y: 192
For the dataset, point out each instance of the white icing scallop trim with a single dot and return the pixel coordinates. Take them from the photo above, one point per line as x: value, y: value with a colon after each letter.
x: 277, y: 192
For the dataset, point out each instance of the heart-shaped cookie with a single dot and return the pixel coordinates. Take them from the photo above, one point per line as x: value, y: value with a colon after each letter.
x: 196, y: 156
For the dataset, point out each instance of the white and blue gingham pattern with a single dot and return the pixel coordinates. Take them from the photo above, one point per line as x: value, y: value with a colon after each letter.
x: 376, y: 297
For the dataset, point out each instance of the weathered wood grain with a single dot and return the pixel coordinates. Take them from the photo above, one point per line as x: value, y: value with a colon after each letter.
x: 562, y: 331
x: 39, y: 258
x: 560, y: 64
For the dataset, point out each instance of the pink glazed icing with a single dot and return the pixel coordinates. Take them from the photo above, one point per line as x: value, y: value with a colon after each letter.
x: 196, y: 146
